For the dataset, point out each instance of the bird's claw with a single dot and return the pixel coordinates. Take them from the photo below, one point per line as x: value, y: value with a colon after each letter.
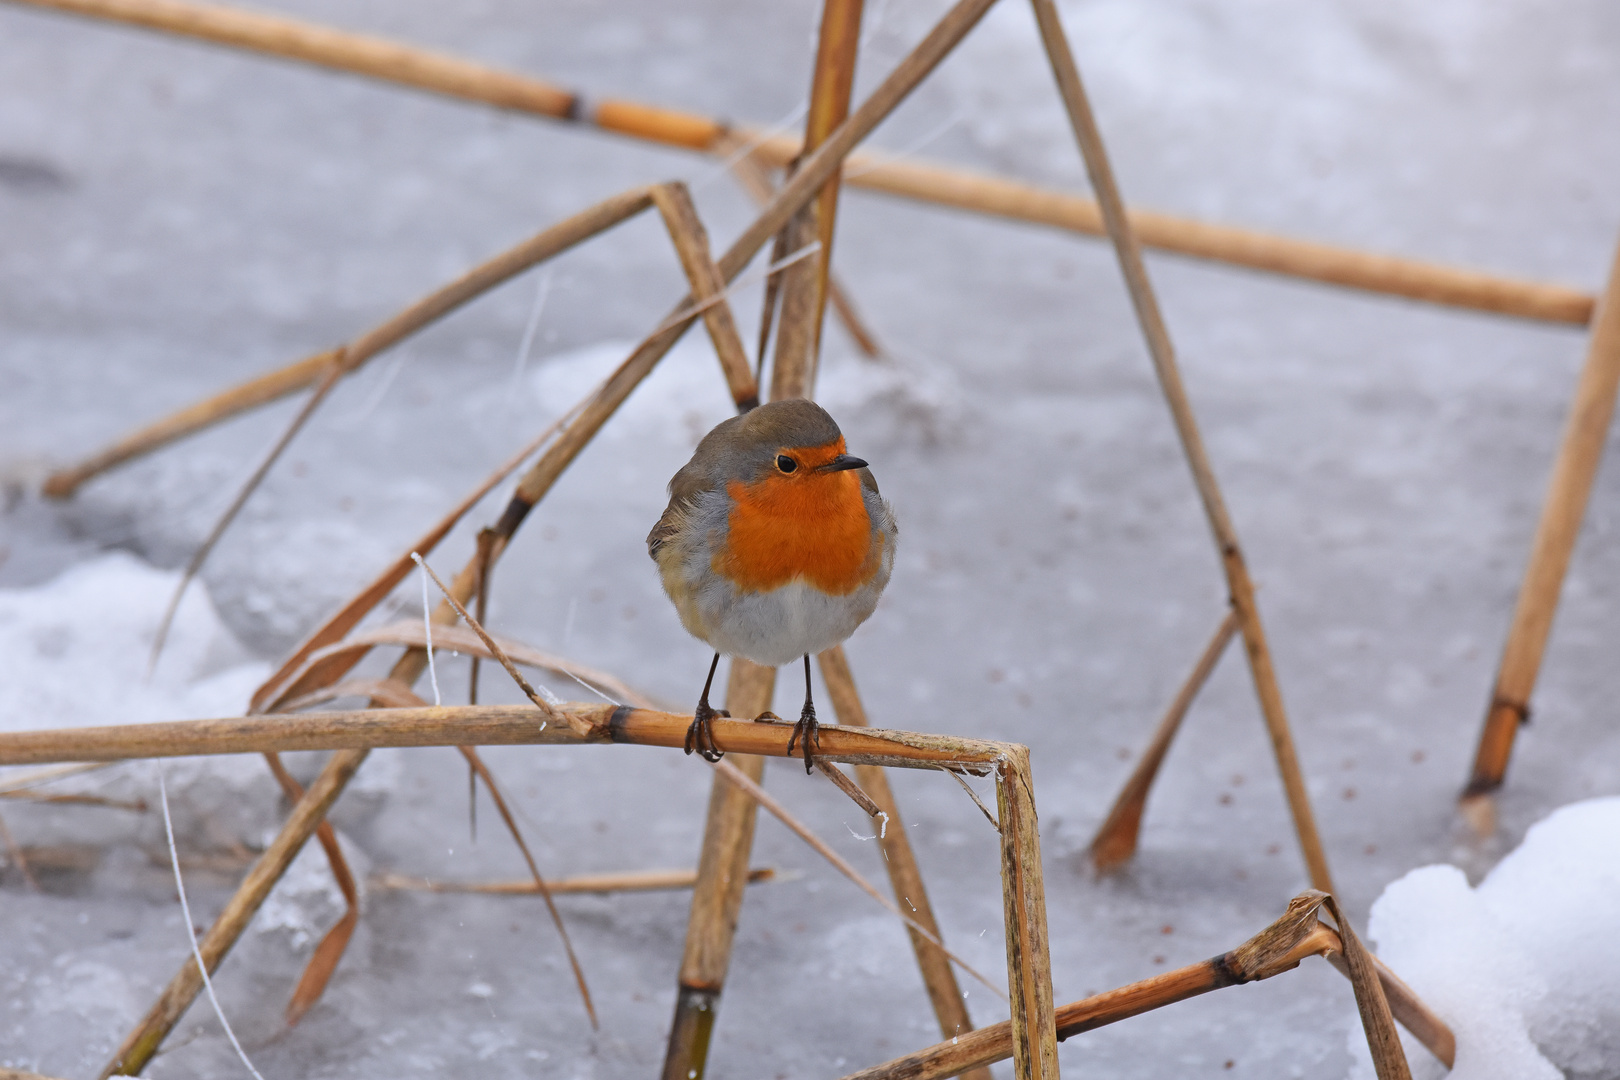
x: 700, y: 735
x: 808, y: 730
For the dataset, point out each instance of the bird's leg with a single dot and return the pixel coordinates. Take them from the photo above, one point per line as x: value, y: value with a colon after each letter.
x: 700, y: 736
x: 806, y: 729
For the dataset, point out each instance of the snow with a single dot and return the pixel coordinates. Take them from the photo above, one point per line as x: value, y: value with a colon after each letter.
x: 1522, y: 966
x: 196, y: 217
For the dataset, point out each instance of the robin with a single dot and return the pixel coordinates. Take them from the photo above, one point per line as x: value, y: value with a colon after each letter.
x: 775, y: 545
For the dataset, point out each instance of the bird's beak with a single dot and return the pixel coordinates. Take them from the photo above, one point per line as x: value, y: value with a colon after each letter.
x: 842, y: 462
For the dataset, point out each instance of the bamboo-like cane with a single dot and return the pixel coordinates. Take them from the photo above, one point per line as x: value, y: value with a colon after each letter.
x: 545, y: 245
x: 1115, y: 841
x: 1280, y: 947
x: 435, y: 72
x: 1029, y: 961
x: 622, y: 881
x: 1568, y: 490
x: 900, y: 860
x: 1164, y: 364
x: 804, y: 286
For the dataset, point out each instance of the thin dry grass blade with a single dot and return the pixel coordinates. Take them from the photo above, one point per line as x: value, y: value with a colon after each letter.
x: 1115, y: 842
x: 471, y: 754
x: 349, y: 616
x: 747, y: 785
x: 134, y: 806
x: 200, y: 556
x: 44, y: 776
x: 625, y: 881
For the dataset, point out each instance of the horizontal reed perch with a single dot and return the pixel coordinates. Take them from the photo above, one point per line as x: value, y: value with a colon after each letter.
x: 482, y: 725
x: 453, y: 76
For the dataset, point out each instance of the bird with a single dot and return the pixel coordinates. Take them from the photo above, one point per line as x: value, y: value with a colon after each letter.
x: 776, y: 544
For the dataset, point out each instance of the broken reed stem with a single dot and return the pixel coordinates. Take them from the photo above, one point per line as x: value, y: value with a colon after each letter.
x: 1279, y: 948
x: 905, y: 876
x: 1029, y: 961
x: 347, y: 359
x: 435, y: 72
x: 1162, y: 352
x: 1568, y: 490
x: 1115, y: 841
x: 624, y: 881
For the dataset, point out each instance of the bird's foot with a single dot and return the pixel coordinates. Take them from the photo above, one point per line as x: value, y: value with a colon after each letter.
x: 700, y: 736
x: 806, y: 731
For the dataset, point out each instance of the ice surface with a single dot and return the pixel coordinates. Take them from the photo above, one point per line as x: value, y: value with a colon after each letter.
x: 178, y: 218
x: 1522, y: 966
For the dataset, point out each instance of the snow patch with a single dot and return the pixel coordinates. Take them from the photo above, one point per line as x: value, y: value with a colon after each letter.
x: 1525, y: 967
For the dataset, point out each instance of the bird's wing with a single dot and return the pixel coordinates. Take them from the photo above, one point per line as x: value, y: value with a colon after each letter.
x: 684, y: 490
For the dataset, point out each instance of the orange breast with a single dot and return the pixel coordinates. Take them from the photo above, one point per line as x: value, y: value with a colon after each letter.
x: 812, y: 527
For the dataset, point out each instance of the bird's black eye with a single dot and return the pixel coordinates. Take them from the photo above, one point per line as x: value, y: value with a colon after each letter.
x: 785, y: 463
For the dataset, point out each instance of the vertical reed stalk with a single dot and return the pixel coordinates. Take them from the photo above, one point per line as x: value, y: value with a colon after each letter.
x: 1140, y: 287
x: 1567, y: 493
x: 1023, y: 890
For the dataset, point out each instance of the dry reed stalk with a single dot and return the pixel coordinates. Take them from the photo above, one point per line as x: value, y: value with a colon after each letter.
x: 485, y: 725
x: 756, y: 181
x: 1389, y: 1059
x: 141, y: 1043
x: 1140, y: 287
x: 880, y: 819
x: 1029, y: 962
x: 1115, y: 842
x: 347, y: 359
x: 944, y: 993
x: 623, y: 881
x: 323, y: 961
x: 19, y: 1074
x: 803, y: 295
x: 1279, y: 948
x: 1568, y: 490
x: 717, y: 895
x: 438, y: 73
x: 691, y: 241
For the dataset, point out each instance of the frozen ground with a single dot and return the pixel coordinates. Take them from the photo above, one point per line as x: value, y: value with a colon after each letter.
x: 176, y: 218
